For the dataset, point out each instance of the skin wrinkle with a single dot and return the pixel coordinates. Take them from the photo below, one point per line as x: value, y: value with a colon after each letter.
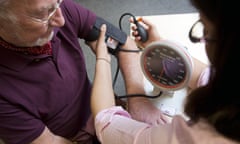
x: 40, y: 41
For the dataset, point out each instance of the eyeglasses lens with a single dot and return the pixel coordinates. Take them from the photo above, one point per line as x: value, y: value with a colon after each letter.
x: 196, y: 33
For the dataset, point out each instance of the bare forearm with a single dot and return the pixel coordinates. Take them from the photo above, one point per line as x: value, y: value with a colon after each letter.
x: 197, y: 70
x: 131, y: 69
x: 140, y: 108
x: 102, y: 92
x: 132, y: 73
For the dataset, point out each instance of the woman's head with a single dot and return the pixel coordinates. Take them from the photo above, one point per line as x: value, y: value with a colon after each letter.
x: 218, y: 17
x: 215, y: 101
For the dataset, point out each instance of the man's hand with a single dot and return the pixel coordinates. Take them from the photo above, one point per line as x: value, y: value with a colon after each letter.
x: 143, y: 110
x: 151, y: 29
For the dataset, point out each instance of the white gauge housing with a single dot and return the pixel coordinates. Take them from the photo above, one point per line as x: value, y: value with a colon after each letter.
x: 167, y: 65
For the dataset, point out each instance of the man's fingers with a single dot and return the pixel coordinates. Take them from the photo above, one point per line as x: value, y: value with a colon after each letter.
x: 147, y: 22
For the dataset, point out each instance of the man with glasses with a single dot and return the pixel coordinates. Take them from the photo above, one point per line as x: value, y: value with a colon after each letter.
x: 44, y: 97
x: 45, y: 90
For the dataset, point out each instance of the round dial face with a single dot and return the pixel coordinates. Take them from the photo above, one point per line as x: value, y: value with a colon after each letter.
x: 166, y: 66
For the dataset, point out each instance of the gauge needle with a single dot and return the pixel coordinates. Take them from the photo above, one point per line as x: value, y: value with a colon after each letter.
x: 162, y: 71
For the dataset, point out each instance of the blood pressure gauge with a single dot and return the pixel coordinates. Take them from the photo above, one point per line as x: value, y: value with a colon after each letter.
x: 167, y: 65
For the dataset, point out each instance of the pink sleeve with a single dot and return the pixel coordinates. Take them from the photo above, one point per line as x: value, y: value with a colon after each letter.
x: 116, y: 124
x: 204, y: 77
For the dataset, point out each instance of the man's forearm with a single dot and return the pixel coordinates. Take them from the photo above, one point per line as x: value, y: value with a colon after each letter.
x: 140, y: 108
x: 131, y: 68
x: 132, y: 72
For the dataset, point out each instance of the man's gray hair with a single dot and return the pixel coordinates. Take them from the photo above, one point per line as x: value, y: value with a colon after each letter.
x: 3, y: 7
x: 3, y: 4
x: 5, y: 14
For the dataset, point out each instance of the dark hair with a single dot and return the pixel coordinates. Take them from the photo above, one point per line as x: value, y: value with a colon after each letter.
x: 216, y: 102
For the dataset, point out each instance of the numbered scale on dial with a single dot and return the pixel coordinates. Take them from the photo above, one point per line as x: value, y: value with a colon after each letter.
x: 167, y: 65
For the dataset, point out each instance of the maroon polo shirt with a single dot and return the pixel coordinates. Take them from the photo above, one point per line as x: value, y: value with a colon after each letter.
x: 45, y: 90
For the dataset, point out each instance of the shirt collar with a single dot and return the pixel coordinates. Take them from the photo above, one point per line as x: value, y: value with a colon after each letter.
x: 36, y: 50
x: 15, y: 60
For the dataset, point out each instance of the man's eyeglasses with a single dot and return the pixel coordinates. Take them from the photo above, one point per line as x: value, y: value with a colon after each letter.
x: 51, y: 13
x: 197, y: 33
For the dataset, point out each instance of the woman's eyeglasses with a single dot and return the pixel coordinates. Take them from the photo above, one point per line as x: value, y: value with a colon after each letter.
x: 197, y: 33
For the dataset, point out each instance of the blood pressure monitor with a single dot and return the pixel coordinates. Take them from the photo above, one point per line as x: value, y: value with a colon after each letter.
x: 167, y: 65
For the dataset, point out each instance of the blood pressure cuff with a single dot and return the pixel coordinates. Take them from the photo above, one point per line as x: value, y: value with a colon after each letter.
x: 112, y: 32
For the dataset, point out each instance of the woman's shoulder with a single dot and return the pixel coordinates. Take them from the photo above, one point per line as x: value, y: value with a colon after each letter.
x: 196, y: 133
